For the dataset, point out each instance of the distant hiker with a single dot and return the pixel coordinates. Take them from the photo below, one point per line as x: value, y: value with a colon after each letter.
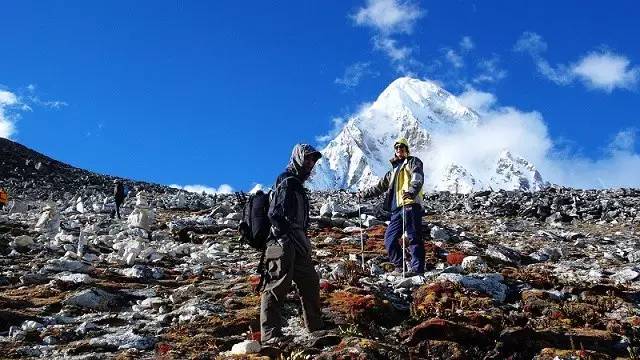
x: 4, y: 198
x: 402, y: 186
x: 288, y: 252
x: 118, y: 194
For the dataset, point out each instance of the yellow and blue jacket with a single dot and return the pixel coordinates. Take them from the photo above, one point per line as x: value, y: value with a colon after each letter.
x: 406, y: 176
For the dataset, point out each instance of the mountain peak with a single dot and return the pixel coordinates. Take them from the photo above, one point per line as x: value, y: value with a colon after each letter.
x: 418, y: 110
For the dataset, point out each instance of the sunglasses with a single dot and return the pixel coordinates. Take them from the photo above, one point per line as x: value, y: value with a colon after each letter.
x: 399, y: 147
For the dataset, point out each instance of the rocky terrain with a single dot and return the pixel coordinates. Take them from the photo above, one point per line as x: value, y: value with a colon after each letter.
x: 546, y: 275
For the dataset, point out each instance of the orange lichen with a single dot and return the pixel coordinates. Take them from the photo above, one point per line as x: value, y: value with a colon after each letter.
x: 353, y: 307
x: 455, y: 258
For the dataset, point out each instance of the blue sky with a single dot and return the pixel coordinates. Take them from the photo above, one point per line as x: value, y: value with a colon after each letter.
x: 217, y: 92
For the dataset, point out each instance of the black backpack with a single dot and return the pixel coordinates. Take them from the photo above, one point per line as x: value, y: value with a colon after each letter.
x: 255, y: 225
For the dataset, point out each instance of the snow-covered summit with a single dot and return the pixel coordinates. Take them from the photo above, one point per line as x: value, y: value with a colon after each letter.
x: 515, y: 173
x: 415, y: 109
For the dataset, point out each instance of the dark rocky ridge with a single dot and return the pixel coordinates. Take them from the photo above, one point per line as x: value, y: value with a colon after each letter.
x: 32, y: 175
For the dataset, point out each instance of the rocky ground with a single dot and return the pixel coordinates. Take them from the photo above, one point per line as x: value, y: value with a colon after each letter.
x: 547, y: 275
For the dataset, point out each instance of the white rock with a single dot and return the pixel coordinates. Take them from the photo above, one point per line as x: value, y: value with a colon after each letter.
x: 183, y: 293
x: 30, y: 326
x: 80, y: 206
x: 90, y: 257
x: 50, y: 340
x: 234, y: 216
x: 86, y: 327
x: 49, y: 221
x: 438, y: 233
x: 124, y: 340
x: 326, y: 209
x: 410, y: 282
x: 94, y: 298
x: 474, y: 264
x: 245, y: 347
x: 352, y: 229
x: 75, y: 278
x: 59, y: 265
x: 82, y: 242
x: 141, y: 218
x: 487, y: 283
x: 23, y: 241
x: 181, y: 201
x: 137, y: 272
x: 624, y: 276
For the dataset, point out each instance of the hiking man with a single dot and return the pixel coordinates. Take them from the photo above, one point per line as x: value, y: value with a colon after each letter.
x: 288, y: 252
x: 118, y: 194
x: 402, y: 186
x: 4, y: 198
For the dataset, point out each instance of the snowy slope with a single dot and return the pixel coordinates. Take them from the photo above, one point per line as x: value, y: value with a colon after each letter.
x: 417, y: 110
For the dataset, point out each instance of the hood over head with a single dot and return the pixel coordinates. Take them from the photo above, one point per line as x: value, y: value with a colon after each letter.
x: 300, y: 151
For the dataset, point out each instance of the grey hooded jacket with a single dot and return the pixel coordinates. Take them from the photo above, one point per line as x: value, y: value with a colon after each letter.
x: 289, y: 206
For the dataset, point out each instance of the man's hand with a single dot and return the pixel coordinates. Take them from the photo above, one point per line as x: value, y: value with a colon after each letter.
x: 408, y: 195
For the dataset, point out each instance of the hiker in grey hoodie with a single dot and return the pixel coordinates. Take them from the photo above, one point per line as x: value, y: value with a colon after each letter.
x: 288, y: 253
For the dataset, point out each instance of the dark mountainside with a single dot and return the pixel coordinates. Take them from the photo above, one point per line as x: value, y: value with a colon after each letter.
x: 546, y: 275
x: 29, y: 174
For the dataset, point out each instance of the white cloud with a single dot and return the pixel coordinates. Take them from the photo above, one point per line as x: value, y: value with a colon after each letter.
x: 466, y: 43
x: 34, y: 99
x: 454, y: 58
x: 222, y: 189
x: 531, y: 43
x: 8, y: 104
x: 389, y: 16
x: 489, y: 71
x: 354, y: 73
x: 526, y: 134
x: 11, y: 106
x: 479, y: 101
x: 601, y: 70
x: 624, y: 140
x: 606, y: 71
x: 7, y: 98
x: 338, y: 123
x: 391, y: 48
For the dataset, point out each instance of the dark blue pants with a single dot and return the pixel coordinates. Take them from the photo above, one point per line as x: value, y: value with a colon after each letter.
x: 393, y: 235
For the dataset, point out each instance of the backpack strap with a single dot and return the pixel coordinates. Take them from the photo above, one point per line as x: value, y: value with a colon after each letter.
x: 285, y: 179
x: 262, y: 272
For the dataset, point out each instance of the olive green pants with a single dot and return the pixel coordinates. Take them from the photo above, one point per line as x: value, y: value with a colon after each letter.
x: 283, y: 264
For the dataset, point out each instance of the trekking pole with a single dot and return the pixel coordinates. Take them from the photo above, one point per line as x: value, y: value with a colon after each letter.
x: 361, y: 235
x: 403, y: 239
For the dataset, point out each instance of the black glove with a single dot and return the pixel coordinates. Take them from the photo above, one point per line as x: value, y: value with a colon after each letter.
x: 408, y: 195
x: 278, y: 233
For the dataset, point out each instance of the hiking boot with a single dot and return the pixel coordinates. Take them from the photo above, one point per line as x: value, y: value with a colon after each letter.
x: 408, y: 273
x: 277, y: 341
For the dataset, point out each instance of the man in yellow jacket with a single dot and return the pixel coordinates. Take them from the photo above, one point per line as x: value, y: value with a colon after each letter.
x: 402, y: 186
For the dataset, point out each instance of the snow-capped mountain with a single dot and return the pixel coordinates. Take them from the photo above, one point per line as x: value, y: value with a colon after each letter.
x: 417, y: 110
x: 457, y: 179
x: 514, y: 172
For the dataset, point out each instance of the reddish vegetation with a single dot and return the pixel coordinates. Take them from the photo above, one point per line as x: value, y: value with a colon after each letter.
x: 455, y: 258
x: 354, y: 307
